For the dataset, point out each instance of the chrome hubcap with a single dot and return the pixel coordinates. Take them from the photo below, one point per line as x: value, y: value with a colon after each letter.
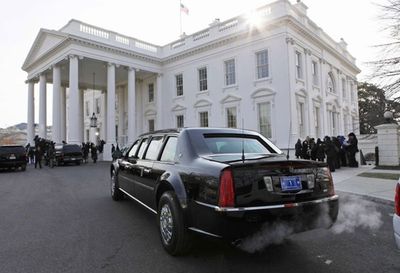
x: 166, y: 224
x: 112, y: 183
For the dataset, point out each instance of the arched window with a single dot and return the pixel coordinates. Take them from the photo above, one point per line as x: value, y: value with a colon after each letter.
x: 331, y: 84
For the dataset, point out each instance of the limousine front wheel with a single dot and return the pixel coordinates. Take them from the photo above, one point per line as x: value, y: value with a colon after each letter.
x: 175, y: 237
x: 116, y: 194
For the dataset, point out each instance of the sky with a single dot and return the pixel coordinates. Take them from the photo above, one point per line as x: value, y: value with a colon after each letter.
x: 157, y: 21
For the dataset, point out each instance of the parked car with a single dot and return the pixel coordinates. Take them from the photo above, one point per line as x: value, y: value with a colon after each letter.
x: 223, y: 183
x: 13, y: 157
x: 396, y: 216
x: 68, y: 153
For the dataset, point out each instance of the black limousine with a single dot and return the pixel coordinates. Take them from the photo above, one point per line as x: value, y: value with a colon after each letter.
x: 223, y: 183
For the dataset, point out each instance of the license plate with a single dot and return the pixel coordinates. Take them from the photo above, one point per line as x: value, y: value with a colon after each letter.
x: 12, y: 157
x: 291, y: 183
x: 72, y: 158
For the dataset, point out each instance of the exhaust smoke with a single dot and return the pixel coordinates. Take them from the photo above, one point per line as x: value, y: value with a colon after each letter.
x: 354, y: 212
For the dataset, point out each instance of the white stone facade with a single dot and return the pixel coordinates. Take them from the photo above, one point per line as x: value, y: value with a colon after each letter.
x: 283, y: 77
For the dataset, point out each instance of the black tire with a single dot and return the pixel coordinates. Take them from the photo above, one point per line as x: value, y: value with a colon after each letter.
x: 116, y: 193
x: 23, y: 168
x: 78, y: 163
x: 175, y: 237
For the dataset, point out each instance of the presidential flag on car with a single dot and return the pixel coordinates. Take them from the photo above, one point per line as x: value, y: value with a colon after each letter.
x: 184, y: 9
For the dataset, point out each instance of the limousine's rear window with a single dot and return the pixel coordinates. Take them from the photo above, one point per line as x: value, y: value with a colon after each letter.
x: 12, y: 149
x: 231, y: 144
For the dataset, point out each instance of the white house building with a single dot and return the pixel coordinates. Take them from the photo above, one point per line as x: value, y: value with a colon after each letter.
x: 274, y: 71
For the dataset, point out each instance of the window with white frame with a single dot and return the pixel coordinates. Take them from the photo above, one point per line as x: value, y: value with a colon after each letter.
x: 331, y: 84
x: 301, y: 119
x: 230, y: 77
x: 98, y: 106
x: 203, y: 79
x: 180, y: 121
x: 151, y: 125
x: 231, y: 117
x: 344, y: 88
x: 314, y: 71
x: 262, y: 64
x: 351, y: 92
x: 151, y: 92
x: 87, y: 108
x: 264, y: 119
x: 317, y: 121
x: 179, y: 84
x: 299, y: 65
x: 203, y: 119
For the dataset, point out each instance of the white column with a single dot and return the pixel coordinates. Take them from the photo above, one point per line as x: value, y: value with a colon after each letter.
x: 31, y: 113
x: 63, y: 114
x: 56, y: 128
x: 81, y: 117
x: 42, y: 107
x: 131, y: 105
x: 121, y: 110
x: 110, y: 111
x: 103, y: 133
x: 159, y: 102
x: 73, y: 102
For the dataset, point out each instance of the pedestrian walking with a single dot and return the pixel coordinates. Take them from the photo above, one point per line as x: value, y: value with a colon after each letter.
x: 38, y: 156
x: 320, y: 150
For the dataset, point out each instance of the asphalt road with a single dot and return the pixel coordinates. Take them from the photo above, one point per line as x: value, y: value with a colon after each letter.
x: 64, y: 220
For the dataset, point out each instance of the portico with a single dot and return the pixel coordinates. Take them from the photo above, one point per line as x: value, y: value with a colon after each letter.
x: 72, y: 67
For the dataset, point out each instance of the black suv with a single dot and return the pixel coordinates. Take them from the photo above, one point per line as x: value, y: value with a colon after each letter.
x: 223, y: 183
x: 12, y: 157
x: 68, y: 153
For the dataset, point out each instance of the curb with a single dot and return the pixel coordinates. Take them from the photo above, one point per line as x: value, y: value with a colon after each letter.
x: 368, y: 197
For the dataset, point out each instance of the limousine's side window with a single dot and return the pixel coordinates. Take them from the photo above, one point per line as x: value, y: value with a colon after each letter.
x: 169, y: 149
x: 133, y: 150
x: 154, y: 148
x: 142, y: 147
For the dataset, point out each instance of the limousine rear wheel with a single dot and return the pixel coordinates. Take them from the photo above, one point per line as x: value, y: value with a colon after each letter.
x: 175, y: 237
x: 116, y: 194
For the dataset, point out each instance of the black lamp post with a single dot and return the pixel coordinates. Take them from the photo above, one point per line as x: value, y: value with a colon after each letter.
x: 93, y: 119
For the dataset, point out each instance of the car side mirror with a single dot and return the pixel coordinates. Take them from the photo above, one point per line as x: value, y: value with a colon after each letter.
x: 132, y: 160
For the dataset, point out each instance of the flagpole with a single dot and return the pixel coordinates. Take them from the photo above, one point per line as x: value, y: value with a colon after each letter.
x: 180, y: 17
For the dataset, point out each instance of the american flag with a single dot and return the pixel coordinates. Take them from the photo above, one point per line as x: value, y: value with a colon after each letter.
x: 184, y: 9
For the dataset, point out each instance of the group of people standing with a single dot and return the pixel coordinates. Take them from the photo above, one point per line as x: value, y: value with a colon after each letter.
x: 338, y: 151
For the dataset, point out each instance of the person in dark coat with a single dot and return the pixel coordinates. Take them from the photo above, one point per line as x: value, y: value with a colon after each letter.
x: 352, y: 149
x: 320, y: 150
x: 297, y: 148
x: 38, y: 156
x: 93, y: 151
x: 313, y: 149
x: 330, y: 153
x: 336, y: 142
x: 305, y: 154
x: 342, y: 153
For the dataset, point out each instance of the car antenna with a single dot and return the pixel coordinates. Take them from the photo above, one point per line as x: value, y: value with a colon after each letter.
x: 243, y: 158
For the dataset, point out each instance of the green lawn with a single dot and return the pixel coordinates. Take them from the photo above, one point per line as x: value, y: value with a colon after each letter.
x: 390, y: 176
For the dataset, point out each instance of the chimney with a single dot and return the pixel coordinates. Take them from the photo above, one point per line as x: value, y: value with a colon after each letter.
x: 301, y: 7
x: 343, y: 43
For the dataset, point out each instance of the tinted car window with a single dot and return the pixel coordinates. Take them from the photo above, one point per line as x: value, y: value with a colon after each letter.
x: 154, y: 148
x: 234, y: 144
x: 169, y: 150
x: 71, y: 148
x: 133, y: 150
x: 142, y: 148
x: 12, y: 149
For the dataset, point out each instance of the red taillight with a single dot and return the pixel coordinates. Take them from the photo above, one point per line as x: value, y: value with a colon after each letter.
x: 397, y: 200
x: 226, y: 189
